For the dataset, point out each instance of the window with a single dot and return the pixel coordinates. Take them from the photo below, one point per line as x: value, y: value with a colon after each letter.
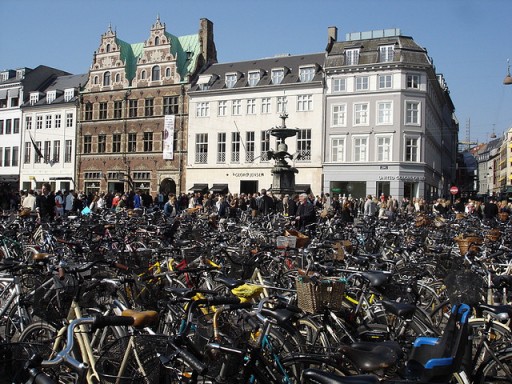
x: 88, y: 112
x: 201, y: 148
x: 282, y: 103
x: 69, y: 120
x: 118, y: 109
x: 167, y: 72
x: 221, y: 147
x: 386, y: 53
x: 337, y: 150
x: 1, y: 127
x: 384, y: 112
x: 254, y: 78
x: 277, y: 76
x: 106, y: 79
x: 118, y: 78
x: 148, y: 141
x: 304, y: 144
x: 148, y: 107
x: 155, y: 73
x: 383, y: 148
x: 361, y: 114
x: 27, y: 152
x: 236, y: 107
x: 69, y: 94
x: 57, y: 121
x: 48, y: 121
x: 251, y: 106
x: 362, y: 83
x: 28, y: 123
x: 102, y: 143
x: 38, y: 158
x: 304, y: 103
x: 34, y: 98
x: 87, y: 144
x: 50, y: 96
x: 231, y: 80
x: 15, y: 155
x: 170, y: 105
x: 103, y: 111
x: 265, y: 145
x: 360, y: 149
x: 132, y: 107
x: 249, y: 147
x: 412, y: 112
x: 339, y: 85
x: 235, y: 147
x: 352, y: 56
x: 143, y: 75
x: 339, y: 115
x: 385, y: 81
x: 39, y: 122
x: 47, y: 151
x: 1, y: 158
x: 8, y: 126
x: 95, y: 80
x: 116, y: 143
x: 266, y: 105
x: 223, y: 107
x: 56, y: 151
x: 16, y: 125
x: 413, y: 81
x: 203, y: 109
x: 7, y: 157
x: 132, y: 142
x: 411, y: 149
x: 68, y: 151
x: 306, y: 74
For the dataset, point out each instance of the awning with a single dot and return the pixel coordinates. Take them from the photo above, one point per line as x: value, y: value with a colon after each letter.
x: 199, y: 188
x: 219, y: 188
x: 3, y: 94
x: 14, y: 92
x: 303, y: 188
x: 9, y: 178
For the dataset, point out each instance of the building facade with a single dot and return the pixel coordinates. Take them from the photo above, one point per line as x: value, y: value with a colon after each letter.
x: 232, y: 108
x: 49, y: 124
x: 389, y: 121
x: 134, y: 110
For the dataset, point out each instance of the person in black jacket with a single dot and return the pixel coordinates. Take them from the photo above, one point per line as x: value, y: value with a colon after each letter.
x: 45, y: 203
x: 305, y: 213
x: 265, y: 203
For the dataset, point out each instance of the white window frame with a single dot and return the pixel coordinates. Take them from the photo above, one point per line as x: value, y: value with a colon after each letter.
x: 253, y: 78
x: 201, y: 148
x: 236, y: 139
x: 413, y: 81
x: 203, y: 109
x: 383, y: 147
x: 352, y: 56
x: 304, y: 103
x: 339, y: 84
x: 221, y: 147
x: 250, y: 137
x: 360, y: 149
x: 69, y: 94
x: 385, y: 81
x: 412, y: 142
x: 339, y: 115
x: 69, y: 119
x: 51, y: 96
x: 361, y: 114
x: 384, y: 115
x: 222, y: 108
x: 362, y: 83
x: 48, y: 121
x: 412, y: 115
x: 304, y: 144
x: 277, y: 75
x: 58, y: 120
x: 282, y: 103
x: 231, y: 79
x: 386, y: 53
x: 251, y: 106
x: 306, y: 74
x: 236, y: 107
x: 266, y: 105
x: 338, y: 149
x: 34, y: 98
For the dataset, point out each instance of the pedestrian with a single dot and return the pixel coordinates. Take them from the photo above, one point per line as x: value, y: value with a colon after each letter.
x: 59, y: 204
x: 305, y: 214
x: 45, y: 203
x: 29, y: 201
x: 265, y: 203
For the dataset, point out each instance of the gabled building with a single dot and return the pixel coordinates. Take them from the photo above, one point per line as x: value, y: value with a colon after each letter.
x: 390, y: 125
x: 232, y: 108
x: 134, y: 110
x: 49, y: 124
x: 16, y: 87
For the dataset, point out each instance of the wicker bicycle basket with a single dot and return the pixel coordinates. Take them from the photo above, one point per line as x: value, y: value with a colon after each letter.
x: 493, y: 235
x: 468, y: 243
x: 313, y: 296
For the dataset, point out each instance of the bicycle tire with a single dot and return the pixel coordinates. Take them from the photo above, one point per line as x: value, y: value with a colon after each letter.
x: 492, y: 371
x: 500, y: 335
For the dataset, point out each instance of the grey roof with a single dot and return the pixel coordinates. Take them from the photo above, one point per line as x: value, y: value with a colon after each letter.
x: 290, y: 63
x: 60, y: 84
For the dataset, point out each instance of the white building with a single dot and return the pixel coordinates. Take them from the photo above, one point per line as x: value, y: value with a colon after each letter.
x: 232, y: 107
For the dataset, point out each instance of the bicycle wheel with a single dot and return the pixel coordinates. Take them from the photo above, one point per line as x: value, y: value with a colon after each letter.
x: 314, y: 335
x: 497, y: 370
x: 498, y: 337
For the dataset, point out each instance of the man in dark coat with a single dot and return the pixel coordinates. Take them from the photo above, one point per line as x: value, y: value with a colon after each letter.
x: 490, y: 209
x: 305, y: 213
x: 45, y: 203
x: 265, y: 203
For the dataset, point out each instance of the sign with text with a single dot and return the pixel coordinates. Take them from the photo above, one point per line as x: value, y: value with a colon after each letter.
x: 168, y: 151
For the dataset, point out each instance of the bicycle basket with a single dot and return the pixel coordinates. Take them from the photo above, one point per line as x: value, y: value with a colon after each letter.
x: 14, y: 357
x: 464, y: 287
x: 468, y: 243
x: 312, y: 296
x: 53, y: 304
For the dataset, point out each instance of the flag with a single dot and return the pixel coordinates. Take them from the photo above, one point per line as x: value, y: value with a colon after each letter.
x: 36, y: 148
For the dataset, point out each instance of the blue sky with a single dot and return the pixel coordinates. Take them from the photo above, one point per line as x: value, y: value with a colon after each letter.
x: 468, y: 40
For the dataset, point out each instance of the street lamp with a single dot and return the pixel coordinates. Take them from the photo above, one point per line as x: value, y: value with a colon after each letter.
x: 508, y: 79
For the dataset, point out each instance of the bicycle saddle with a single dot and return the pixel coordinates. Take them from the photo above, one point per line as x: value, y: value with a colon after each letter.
x: 141, y: 319
x: 321, y: 377
x: 402, y: 310
x: 501, y: 312
x: 370, y: 356
x: 376, y: 278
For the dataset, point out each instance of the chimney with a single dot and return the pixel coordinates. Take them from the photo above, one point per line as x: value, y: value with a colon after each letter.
x: 332, y: 37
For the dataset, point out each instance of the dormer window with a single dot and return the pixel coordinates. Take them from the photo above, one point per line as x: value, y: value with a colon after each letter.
x: 306, y: 74
x: 277, y: 76
x: 386, y: 53
x: 34, y: 98
x: 5, y: 76
x: 50, y: 96
x: 254, y: 78
x: 352, y: 56
x: 69, y: 94
x: 231, y: 80
x: 20, y: 73
x: 204, y: 82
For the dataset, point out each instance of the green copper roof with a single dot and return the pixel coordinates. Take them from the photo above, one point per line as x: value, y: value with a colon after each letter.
x: 129, y: 54
x: 179, y: 48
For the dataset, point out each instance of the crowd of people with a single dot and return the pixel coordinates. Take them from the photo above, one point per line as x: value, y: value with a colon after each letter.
x: 302, y: 208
